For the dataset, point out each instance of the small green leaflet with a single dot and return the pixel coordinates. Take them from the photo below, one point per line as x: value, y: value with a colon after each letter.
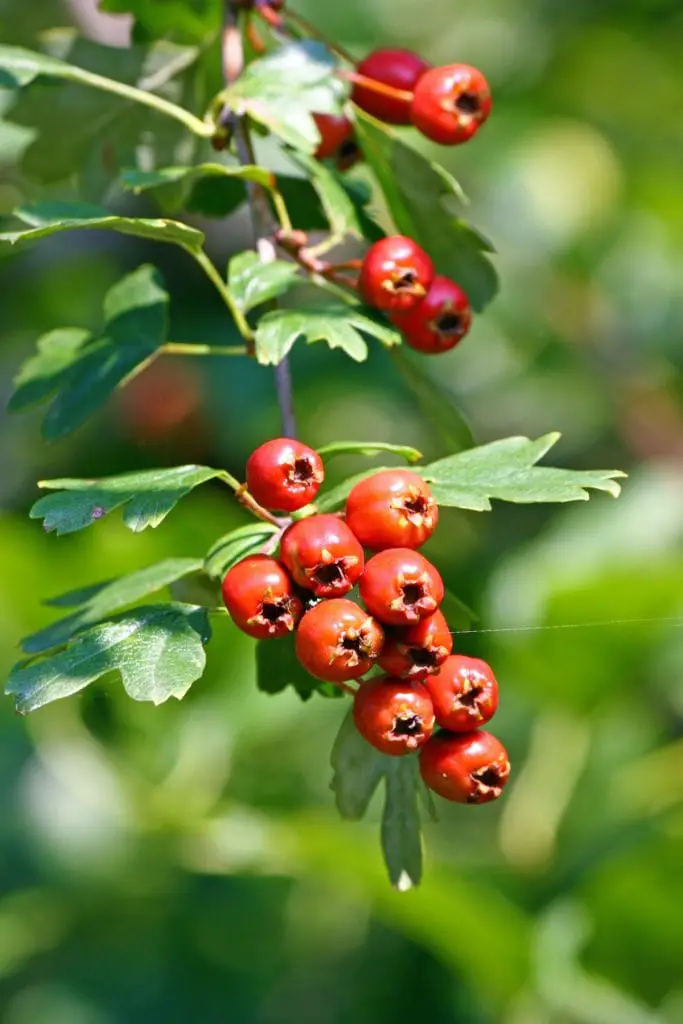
x: 211, y: 188
x: 369, y: 448
x: 148, y: 497
x: 340, y: 326
x: 80, y: 371
x: 340, y: 211
x: 278, y: 667
x: 252, y: 282
x: 158, y: 651
x: 357, y: 769
x: 235, y: 546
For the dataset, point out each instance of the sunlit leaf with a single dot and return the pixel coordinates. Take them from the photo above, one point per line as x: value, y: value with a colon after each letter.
x: 236, y: 545
x: 338, y: 326
x: 252, y: 282
x: 369, y: 448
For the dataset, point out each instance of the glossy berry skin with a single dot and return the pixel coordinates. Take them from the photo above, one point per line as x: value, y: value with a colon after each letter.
x: 337, y: 641
x: 469, y: 768
x: 260, y: 597
x: 450, y: 104
x: 415, y: 652
x: 335, y: 130
x: 400, y: 587
x: 440, y: 321
x: 396, y: 274
x: 322, y: 555
x: 464, y: 692
x: 284, y: 475
x: 393, y: 715
x: 401, y: 69
x: 392, y: 509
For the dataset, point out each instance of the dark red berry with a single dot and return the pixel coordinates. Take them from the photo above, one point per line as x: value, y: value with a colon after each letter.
x: 469, y: 768
x: 415, y: 652
x: 464, y: 692
x: 335, y: 130
x: 396, y: 274
x: 400, y: 69
x: 338, y: 641
x: 322, y: 555
x: 260, y: 597
x: 392, y: 509
x: 284, y: 475
x: 393, y: 715
x: 400, y: 587
x: 451, y: 103
x: 440, y: 321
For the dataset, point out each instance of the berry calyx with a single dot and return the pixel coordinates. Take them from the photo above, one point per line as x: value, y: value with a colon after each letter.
x: 393, y: 508
x: 284, y: 475
x: 470, y: 768
x: 464, y: 692
x: 417, y: 651
x: 323, y: 555
x: 337, y: 641
x: 260, y: 597
x: 400, y: 587
x: 396, y: 274
x: 393, y: 716
x: 450, y: 104
x: 440, y: 321
x: 400, y: 69
x: 335, y: 130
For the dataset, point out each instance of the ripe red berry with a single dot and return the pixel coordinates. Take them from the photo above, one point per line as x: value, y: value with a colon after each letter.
x: 440, y: 321
x: 464, y: 692
x: 394, y: 508
x: 284, y: 475
x: 400, y: 587
x: 415, y: 652
x: 322, y: 555
x: 392, y: 715
x: 400, y: 69
x: 396, y: 274
x: 451, y: 103
x: 337, y: 641
x: 335, y: 130
x: 260, y: 597
x: 470, y: 768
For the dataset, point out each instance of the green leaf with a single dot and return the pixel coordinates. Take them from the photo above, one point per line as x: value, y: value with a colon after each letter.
x: 434, y: 402
x: 212, y: 189
x: 192, y: 20
x: 459, y: 615
x: 506, y: 470
x: 358, y: 770
x: 339, y: 326
x: 158, y: 651
x: 420, y: 195
x: 83, y: 370
x: 278, y: 667
x: 235, y: 546
x: 369, y: 448
x: 149, y: 496
x: 401, y: 832
x: 252, y: 282
x: 101, y: 600
x: 338, y: 207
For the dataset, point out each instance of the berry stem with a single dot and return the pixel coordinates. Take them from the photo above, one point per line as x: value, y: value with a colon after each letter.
x: 379, y: 87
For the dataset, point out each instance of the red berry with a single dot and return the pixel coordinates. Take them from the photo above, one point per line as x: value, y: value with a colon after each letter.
x: 260, y: 597
x: 471, y: 768
x: 396, y: 274
x: 337, y: 641
x: 335, y: 130
x: 393, y: 716
x: 284, y: 475
x: 401, y: 69
x: 440, y: 321
x: 322, y: 555
x: 417, y: 651
x: 401, y: 587
x: 451, y: 104
x: 394, y: 508
x: 464, y: 692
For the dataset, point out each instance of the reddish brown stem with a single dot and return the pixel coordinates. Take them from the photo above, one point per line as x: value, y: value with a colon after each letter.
x: 379, y: 87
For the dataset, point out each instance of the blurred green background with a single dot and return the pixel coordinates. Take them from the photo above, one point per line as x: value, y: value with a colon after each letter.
x: 185, y: 863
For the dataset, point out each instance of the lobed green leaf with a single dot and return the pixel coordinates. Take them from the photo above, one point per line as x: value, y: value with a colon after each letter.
x: 339, y: 326
x: 235, y: 546
x: 252, y: 282
x: 357, y: 768
x: 401, y: 832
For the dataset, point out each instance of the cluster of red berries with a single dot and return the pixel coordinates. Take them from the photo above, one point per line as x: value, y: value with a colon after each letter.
x: 401, y: 628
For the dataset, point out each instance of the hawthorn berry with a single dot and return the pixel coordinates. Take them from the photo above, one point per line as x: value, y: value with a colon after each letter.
x: 400, y: 587
x: 393, y: 508
x: 450, y: 104
x: 260, y: 597
x: 417, y: 651
x: 469, y: 768
x: 400, y: 69
x: 464, y: 692
x: 335, y: 130
x: 284, y: 475
x: 396, y: 274
x: 337, y: 641
x: 322, y: 555
x: 393, y: 715
x: 440, y: 321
